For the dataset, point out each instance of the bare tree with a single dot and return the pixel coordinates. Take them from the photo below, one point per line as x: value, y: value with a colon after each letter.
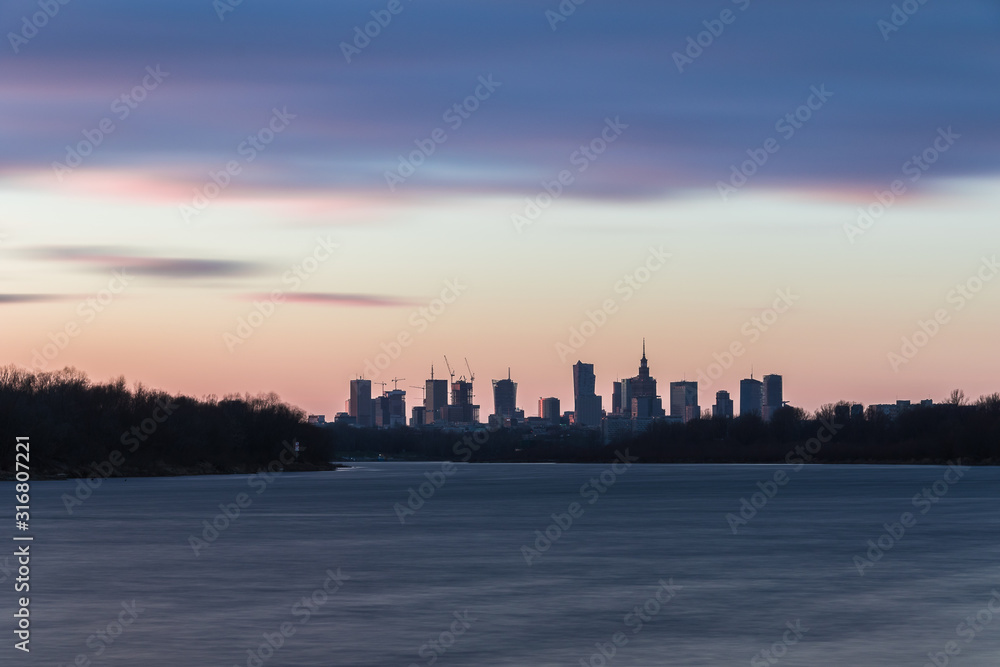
x: 989, y: 402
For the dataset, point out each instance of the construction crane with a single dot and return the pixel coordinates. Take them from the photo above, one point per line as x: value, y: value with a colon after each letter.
x: 424, y: 389
x: 451, y: 372
x: 395, y: 383
x: 381, y: 383
x: 472, y: 376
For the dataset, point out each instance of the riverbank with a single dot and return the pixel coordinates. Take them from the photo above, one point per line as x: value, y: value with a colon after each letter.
x: 163, y: 470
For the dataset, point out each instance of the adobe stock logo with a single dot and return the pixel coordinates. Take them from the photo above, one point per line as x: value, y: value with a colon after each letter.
x: 786, y: 126
x: 88, y: 309
x: 581, y: 158
x: 899, y: 17
x: 914, y: 169
x: 959, y: 297
x: 453, y: 116
x: 249, y: 149
x: 381, y: 18
x: 566, y: 9
x: 122, y: 106
x: 713, y: 29
x: 31, y: 25
x: 627, y: 287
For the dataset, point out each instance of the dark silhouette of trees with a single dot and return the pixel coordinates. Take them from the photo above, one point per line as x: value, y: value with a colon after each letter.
x: 80, y: 428
x: 921, y: 434
x: 77, y: 426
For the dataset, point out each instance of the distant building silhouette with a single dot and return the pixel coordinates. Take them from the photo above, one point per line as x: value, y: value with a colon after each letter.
x: 750, y: 397
x: 418, y: 416
x: 360, y: 404
x: 462, y: 410
x: 390, y: 409
x: 345, y: 418
x: 616, y: 426
x: 504, y: 400
x: 548, y: 409
x: 587, y: 404
x: 892, y: 411
x: 435, y: 400
x: 684, y: 401
x: 642, y: 384
x: 771, y: 396
x: 638, y: 394
x: 723, y: 405
x: 634, y: 403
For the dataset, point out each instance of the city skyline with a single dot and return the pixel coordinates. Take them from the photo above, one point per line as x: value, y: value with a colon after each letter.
x: 756, y: 396
x: 369, y: 332
x: 209, y: 224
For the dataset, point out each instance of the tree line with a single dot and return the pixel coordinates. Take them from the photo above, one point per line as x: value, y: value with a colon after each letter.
x: 81, y: 428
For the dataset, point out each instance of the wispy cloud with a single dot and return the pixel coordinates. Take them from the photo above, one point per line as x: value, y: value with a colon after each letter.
x: 13, y: 299
x: 686, y: 130
x: 339, y: 299
x: 107, y: 258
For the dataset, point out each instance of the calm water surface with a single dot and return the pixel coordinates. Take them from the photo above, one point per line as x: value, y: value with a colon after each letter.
x: 733, y: 596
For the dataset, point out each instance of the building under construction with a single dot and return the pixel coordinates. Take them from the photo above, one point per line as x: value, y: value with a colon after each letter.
x: 389, y: 409
x: 462, y: 410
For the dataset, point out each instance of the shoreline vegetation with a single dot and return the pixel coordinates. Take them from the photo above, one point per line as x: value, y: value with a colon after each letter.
x: 80, y: 429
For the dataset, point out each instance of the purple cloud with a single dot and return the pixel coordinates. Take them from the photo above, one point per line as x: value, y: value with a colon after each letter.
x: 339, y: 299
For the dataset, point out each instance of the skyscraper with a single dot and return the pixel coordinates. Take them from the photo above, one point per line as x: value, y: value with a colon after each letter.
x: 360, y: 404
x: 584, y: 379
x: 587, y: 404
x: 723, y: 405
x: 638, y: 393
x: 642, y: 384
x: 750, y: 397
x: 626, y: 399
x: 684, y: 401
x: 771, y: 396
x: 504, y: 399
x: 548, y: 409
x: 435, y: 400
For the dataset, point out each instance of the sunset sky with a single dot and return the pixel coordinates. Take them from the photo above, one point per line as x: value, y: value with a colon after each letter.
x: 326, y: 132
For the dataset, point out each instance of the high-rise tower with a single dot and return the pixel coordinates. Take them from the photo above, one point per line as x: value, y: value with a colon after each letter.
x: 360, y: 404
x: 638, y: 394
x: 435, y: 400
x: 684, y: 400
x: 771, y: 398
x: 504, y: 398
x: 750, y: 397
x: 587, y: 404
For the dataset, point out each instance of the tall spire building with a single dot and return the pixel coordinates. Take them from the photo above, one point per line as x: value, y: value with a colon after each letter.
x: 638, y: 394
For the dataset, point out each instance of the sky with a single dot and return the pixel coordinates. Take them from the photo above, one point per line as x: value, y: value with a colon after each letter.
x: 209, y: 197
